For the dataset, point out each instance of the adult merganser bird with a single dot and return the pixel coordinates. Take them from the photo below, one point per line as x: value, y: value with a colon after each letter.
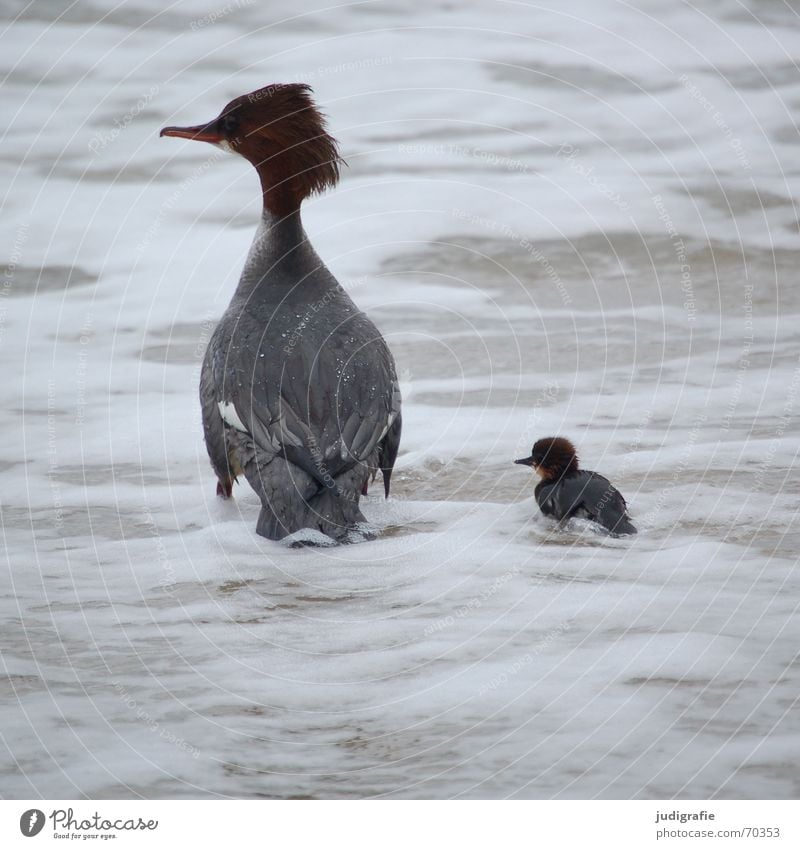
x: 566, y: 491
x: 298, y: 388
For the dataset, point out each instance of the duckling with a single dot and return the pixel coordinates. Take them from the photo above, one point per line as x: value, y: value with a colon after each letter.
x: 565, y: 490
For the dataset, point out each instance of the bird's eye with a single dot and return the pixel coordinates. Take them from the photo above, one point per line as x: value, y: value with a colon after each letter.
x: 230, y: 123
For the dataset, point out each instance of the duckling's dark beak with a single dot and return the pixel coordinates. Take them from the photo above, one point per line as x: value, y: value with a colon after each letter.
x: 202, y: 132
x: 525, y: 461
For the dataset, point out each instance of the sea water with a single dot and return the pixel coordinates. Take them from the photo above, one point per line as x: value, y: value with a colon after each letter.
x: 569, y: 220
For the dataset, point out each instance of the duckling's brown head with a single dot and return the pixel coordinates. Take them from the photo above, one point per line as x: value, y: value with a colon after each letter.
x: 552, y: 457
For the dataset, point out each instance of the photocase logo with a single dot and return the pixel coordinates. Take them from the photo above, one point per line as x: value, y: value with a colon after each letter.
x: 31, y: 822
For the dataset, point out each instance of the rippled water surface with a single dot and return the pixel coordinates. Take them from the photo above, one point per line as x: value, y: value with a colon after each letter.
x: 578, y: 221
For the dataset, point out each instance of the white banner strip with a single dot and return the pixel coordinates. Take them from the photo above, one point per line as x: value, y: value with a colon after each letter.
x: 403, y: 824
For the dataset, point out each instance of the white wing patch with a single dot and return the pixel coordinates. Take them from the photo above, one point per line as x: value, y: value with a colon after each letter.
x: 389, y: 423
x: 230, y: 416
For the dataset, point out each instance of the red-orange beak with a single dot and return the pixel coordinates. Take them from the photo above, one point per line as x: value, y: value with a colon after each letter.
x: 203, y: 132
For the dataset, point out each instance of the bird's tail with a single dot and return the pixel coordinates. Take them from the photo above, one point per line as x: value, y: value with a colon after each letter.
x: 623, y: 527
x: 335, y: 513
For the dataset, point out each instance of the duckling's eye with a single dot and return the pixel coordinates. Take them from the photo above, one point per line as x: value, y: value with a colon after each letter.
x: 230, y: 123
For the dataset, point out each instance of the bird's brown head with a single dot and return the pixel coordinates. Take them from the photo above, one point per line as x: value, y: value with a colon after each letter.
x: 552, y: 457
x: 282, y: 133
